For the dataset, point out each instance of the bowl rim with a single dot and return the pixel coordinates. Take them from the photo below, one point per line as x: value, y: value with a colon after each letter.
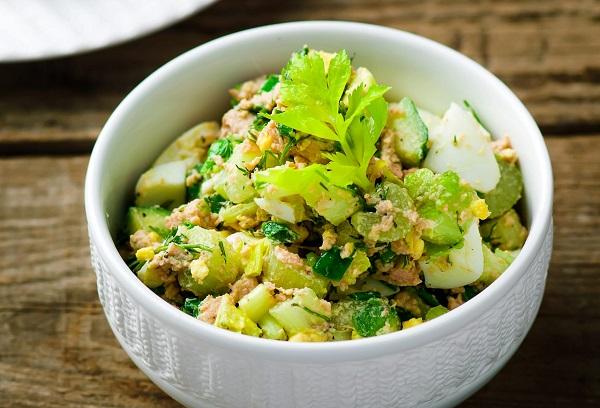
x: 354, y: 350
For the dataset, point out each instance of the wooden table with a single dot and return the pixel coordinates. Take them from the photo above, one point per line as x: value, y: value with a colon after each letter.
x: 56, y: 349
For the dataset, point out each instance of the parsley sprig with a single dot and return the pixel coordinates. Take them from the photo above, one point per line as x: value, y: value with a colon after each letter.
x: 172, y: 237
x: 312, y: 96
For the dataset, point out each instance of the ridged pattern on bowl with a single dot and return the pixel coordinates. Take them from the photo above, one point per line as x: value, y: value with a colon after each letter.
x: 422, y: 376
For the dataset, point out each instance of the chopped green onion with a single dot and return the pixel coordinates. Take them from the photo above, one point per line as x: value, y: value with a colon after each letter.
x: 312, y: 312
x: 269, y: 83
x: 427, y: 297
x: 331, y: 265
x: 474, y: 113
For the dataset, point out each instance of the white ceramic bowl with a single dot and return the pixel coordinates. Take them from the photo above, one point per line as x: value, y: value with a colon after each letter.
x: 436, y: 364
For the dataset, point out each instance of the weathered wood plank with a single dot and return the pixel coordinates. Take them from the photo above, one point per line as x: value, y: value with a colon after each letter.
x: 547, y: 51
x: 56, y: 349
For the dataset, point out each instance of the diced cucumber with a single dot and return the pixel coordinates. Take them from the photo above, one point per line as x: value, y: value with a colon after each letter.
x: 442, y: 200
x: 370, y: 317
x: 463, y: 146
x: 411, y: 303
x: 463, y: 265
x: 507, y: 192
x: 364, y: 222
x: 289, y: 209
x: 233, y: 184
x: 191, y: 146
x: 442, y: 227
x: 271, y: 329
x: 410, y: 132
x: 243, y: 153
x: 310, y: 335
x: 340, y: 335
x: 505, y: 232
x: 302, y: 312
x: 432, y: 121
x: 221, y: 265
x: 256, y: 256
x: 257, y: 303
x: 162, y: 185
x: 291, y: 275
x: 230, y: 214
x: 231, y: 318
x: 494, y: 263
x: 435, y: 311
x: 336, y: 204
x: 374, y: 285
x: 146, y: 218
x: 332, y: 202
x: 150, y: 277
x: 360, y: 264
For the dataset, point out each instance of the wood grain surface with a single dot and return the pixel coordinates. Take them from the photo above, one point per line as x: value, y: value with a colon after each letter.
x: 56, y: 349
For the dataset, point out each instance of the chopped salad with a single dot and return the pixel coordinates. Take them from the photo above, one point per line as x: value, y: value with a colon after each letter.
x: 317, y: 210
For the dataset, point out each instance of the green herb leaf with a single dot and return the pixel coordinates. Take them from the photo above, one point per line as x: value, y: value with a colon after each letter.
x: 192, y: 192
x: 243, y: 170
x: 331, y: 265
x: 191, y: 306
x: 163, y: 232
x: 215, y: 202
x: 259, y: 123
x: 268, y: 159
x: 221, y: 147
x: 278, y: 232
x: 207, y: 166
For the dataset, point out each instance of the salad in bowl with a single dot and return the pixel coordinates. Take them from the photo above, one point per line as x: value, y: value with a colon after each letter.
x: 318, y: 210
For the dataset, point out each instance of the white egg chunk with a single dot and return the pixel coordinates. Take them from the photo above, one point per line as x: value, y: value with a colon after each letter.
x: 433, y: 123
x: 462, y: 145
x: 162, y: 185
x: 462, y: 266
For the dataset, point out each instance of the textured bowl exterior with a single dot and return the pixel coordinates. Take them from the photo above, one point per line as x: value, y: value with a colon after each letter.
x: 439, y: 373
x: 439, y: 363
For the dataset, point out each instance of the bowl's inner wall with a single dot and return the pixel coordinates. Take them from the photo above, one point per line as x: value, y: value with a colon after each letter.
x: 194, y: 89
